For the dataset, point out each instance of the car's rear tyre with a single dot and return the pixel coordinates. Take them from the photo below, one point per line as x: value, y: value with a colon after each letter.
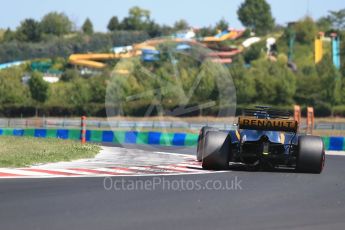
x: 311, y: 154
x: 216, y: 153
x: 201, y: 140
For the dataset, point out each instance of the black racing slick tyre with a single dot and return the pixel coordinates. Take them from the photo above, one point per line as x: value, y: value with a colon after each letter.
x: 311, y: 154
x: 201, y: 140
x: 216, y: 153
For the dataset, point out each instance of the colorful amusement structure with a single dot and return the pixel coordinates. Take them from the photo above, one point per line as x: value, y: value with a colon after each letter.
x: 148, y: 52
x: 220, y: 51
x: 319, y: 49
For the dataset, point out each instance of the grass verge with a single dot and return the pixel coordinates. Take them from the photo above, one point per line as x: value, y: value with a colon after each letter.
x: 25, y: 151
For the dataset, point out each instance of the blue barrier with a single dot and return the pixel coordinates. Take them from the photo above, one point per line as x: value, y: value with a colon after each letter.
x: 40, y: 132
x: 107, y: 136
x: 134, y: 137
x: 154, y: 138
x: 131, y: 137
x: 336, y: 143
x: 179, y: 139
x: 62, y: 133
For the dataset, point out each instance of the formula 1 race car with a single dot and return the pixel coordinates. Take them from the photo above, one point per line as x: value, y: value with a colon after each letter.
x: 264, y: 139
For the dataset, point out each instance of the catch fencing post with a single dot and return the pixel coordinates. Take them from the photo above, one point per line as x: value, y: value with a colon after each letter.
x: 310, y: 120
x: 83, y: 129
x: 297, y: 113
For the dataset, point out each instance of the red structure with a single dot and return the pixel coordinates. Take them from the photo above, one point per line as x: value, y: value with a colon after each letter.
x: 297, y: 113
x: 310, y: 120
x: 83, y: 129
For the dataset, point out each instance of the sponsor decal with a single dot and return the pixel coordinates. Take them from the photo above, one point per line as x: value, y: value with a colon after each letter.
x: 268, y: 124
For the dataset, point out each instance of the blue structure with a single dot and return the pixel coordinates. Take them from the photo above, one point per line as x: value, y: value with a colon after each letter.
x: 336, y: 51
x: 149, y: 55
x: 221, y: 34
x: 136, y: 137
x: 182, y: 47
x: 118, y: 137
x: 10, y: 64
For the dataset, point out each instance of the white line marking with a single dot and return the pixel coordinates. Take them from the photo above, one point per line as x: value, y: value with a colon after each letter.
x: 19, y: 171
x: 148, y: 169
x: 98, y: 175
x: 181, y: 168
x: 177, y: 154
x: 113, y: 170
x: 335, y: 153
x: 66, y: 171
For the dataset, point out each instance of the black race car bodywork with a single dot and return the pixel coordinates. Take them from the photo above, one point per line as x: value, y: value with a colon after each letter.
x: 253, y: 147
x: 264, y: 139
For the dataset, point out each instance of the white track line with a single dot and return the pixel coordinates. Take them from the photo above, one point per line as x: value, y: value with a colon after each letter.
x: 190, y: 165
x: 124, y: 175
x: 152, y: 170
x: 335, y: 153
x: 22, y: 172
x: 178, y: 168
x: 177, y: 154
x: 114, y: 170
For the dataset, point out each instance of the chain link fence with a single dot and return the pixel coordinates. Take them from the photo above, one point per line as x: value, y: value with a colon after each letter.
x: 70, y: 123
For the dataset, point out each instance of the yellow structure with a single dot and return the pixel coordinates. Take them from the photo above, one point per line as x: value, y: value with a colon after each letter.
x: 233, y: 34
x: 318, y: 48
x: 94, y: 60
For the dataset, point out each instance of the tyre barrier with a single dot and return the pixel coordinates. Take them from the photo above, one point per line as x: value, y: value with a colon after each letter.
x: 116, y: 137
x: 135, y: 137
x: 334, y: 143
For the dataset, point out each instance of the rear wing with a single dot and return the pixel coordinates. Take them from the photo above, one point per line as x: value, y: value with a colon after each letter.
x: 284, y: 125
x: 266, y: 111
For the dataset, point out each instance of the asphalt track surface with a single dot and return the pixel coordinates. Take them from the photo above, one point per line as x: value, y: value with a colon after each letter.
x: 263, y: 200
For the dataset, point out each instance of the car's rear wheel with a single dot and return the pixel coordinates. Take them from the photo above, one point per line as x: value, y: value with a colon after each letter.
x: 201, y: 140
x: 311, y: 154
x: 216, y: 153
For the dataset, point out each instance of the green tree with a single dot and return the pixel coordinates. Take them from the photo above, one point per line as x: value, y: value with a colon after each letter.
x: 12, y: 91
x: 56, y: 23
x: 205, y: 31
x: 274, y: 83
x: 305, y: 94
x: 305, y: 30
x: 330, y: 80
x: 29, y: 31
x: 87, y: 27
x: 9, y: 35
x: 338, y: 19
x: 244, y: 82
x: 324, y: 23
x: 153, y: 29
x: 114, y: 24
x: 98, y: 88
x: 70, y: 75
x: 222, y: 25
x: 181, y: 25
x: 320, y: 85
x: 256, y: 14
x: 138, y: 19
x: 79, y: 94
x: 39, y: 89
x: 253, y: 52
